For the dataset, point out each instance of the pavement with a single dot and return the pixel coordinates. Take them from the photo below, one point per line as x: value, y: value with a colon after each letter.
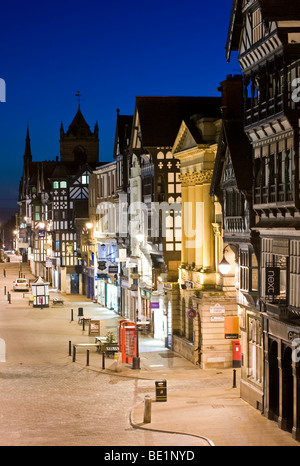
x: 201, y: 404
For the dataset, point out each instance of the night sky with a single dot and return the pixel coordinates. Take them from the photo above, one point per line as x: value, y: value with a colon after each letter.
x: 111, y: 51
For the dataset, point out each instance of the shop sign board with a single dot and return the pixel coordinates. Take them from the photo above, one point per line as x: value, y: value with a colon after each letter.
x: 94, y: 328
x: 272, y: 281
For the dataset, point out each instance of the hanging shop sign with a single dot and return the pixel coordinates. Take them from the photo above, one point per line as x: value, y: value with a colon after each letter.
x: 272, y: 281
x: 113, y: 269
x: 101, y: 265
x: 154, y: 305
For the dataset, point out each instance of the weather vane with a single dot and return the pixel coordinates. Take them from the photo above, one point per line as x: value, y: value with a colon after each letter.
x: 78, y: 95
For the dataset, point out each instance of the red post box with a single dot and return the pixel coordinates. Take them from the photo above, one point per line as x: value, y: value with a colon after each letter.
x: 236, y: 354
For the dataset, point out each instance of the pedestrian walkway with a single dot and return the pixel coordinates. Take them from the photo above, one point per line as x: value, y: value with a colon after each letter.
x: 200, y: 403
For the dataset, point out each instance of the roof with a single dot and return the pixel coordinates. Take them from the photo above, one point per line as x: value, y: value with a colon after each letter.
x: 123, y: 132
x: 161, y: 117
x: 280, y: 10
x: 235, y: 28
x: 79, y: 126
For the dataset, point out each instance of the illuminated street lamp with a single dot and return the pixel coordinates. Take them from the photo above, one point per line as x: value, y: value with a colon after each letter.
x: 140, y: 236
x: 224, y: 265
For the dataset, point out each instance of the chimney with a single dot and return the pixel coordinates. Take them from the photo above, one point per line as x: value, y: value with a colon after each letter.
x: 232, y: 96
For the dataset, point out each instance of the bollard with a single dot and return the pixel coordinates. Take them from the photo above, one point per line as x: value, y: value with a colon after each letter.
x: 4, y: 273
x: 72, y: 315
x: 103, y: 360
x: 9, y: 298
x: 5, y: 290
x: 147, y: 409
x: 83, y: 325
x: 70, y: 348
x: 74, y: 354
x: 234, y: 378
x: 87, y: 357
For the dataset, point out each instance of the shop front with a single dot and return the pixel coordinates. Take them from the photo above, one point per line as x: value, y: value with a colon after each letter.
x: 112, y: 297
x: 124, y: 297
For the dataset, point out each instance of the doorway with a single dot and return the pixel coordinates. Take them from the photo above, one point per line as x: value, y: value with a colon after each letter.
x: 74, y: 284
x: 273, y: 382
x: 287, y: 390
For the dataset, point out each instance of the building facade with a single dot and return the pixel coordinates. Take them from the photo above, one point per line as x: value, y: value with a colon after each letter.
x: 53, y: 204
x: 266, y: 35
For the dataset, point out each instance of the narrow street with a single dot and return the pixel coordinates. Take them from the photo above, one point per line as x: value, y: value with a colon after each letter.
x: 48, y: 400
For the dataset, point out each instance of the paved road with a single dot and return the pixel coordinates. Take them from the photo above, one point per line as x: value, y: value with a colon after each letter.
x: 46, y: 400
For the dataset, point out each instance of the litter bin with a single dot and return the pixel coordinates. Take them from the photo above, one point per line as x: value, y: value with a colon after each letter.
x: 161, y: 390
x: 80, y: 312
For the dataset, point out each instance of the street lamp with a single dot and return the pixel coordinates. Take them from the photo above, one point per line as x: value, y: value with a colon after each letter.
x: 139, y: 236
x: 224, y: 265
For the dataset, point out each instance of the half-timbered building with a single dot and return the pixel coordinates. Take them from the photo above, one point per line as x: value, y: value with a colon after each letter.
x: 54, y: 200
x: 266, y: 34
x: 232, y: 185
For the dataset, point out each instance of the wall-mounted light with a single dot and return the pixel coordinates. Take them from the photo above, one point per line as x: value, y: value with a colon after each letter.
x: 224, y: 265
x: 139, y: 237
x: 89, y: 225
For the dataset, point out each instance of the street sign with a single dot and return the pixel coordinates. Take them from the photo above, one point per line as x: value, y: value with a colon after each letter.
x: 191, y: 313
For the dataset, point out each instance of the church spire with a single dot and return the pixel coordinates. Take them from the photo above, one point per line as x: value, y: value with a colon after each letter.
x: 27, y: 154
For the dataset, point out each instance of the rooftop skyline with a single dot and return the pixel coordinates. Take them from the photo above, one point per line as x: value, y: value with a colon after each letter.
x: 111, y: 53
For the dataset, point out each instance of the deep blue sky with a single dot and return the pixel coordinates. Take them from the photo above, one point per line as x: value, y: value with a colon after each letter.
x: 111, y: 51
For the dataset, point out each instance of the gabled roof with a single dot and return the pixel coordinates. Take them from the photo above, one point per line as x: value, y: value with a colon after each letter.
x: 123, y: 132
x: 161, y: 117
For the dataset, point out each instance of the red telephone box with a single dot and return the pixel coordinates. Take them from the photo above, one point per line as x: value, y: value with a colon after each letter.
x: 236, y: 354
x: 128, y: 340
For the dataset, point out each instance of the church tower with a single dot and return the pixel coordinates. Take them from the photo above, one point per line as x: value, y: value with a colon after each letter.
x: 79, y: 144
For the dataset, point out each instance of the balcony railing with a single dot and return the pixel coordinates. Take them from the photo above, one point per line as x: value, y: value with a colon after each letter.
x: 263, y: 110
x: 274, y: 193
x: 235, y: 224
